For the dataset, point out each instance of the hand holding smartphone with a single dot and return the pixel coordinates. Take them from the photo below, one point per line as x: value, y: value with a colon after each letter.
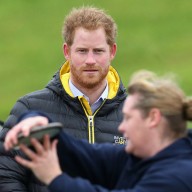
x: 52, y: 129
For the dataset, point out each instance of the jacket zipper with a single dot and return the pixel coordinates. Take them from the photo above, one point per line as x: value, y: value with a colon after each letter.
x: 91, y: 127
x: 91, y: 123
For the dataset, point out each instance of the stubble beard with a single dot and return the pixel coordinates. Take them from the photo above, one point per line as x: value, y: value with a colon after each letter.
x: 88, y: 82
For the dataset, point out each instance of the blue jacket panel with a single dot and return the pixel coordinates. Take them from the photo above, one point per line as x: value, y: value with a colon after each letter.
x: 102, y: 168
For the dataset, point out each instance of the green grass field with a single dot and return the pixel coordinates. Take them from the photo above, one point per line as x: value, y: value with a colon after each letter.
x: 152, y: 34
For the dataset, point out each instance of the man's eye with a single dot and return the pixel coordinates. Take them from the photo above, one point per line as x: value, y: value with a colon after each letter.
x: 98, y: 51
x: 82, y: 50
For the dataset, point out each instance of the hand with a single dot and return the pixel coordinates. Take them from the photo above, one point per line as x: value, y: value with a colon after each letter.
x: 23, y: 127
x: 44, y: 161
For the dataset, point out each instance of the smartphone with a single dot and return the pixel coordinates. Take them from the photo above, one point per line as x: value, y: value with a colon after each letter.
x: 52, y: 129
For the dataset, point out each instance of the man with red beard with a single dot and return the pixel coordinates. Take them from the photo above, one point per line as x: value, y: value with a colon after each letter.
x: 86, y: 95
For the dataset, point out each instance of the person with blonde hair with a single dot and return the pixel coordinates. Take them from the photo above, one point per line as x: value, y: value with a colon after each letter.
x: 156, y: 158
x: 86, y: 94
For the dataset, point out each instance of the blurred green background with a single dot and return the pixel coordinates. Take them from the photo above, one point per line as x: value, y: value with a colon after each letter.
x: 152, y: 34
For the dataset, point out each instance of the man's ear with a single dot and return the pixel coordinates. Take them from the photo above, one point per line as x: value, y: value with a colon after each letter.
x: 154, y: 117
x: 66, y: 51
x: 113, y: 51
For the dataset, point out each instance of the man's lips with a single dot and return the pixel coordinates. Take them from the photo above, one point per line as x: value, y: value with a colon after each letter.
x: 90, y: 70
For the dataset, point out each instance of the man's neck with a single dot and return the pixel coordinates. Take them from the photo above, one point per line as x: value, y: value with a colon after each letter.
x: 92, y: 93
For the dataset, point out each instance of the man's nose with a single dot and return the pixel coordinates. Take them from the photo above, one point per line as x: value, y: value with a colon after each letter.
x: 90, y: 58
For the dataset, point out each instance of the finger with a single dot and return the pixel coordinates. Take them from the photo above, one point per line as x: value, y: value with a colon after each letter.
x: 54, y: 145
x: 29, y: 123
x: 46, y: 142
x: 31, y: 154
x: 24, y: 126
x: 37, y: 146
x: 26, y: 129
x: 10, y: 138
x: 24, y: 162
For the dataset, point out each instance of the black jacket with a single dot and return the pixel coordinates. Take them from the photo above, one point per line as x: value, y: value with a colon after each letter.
x: 56, y: 101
